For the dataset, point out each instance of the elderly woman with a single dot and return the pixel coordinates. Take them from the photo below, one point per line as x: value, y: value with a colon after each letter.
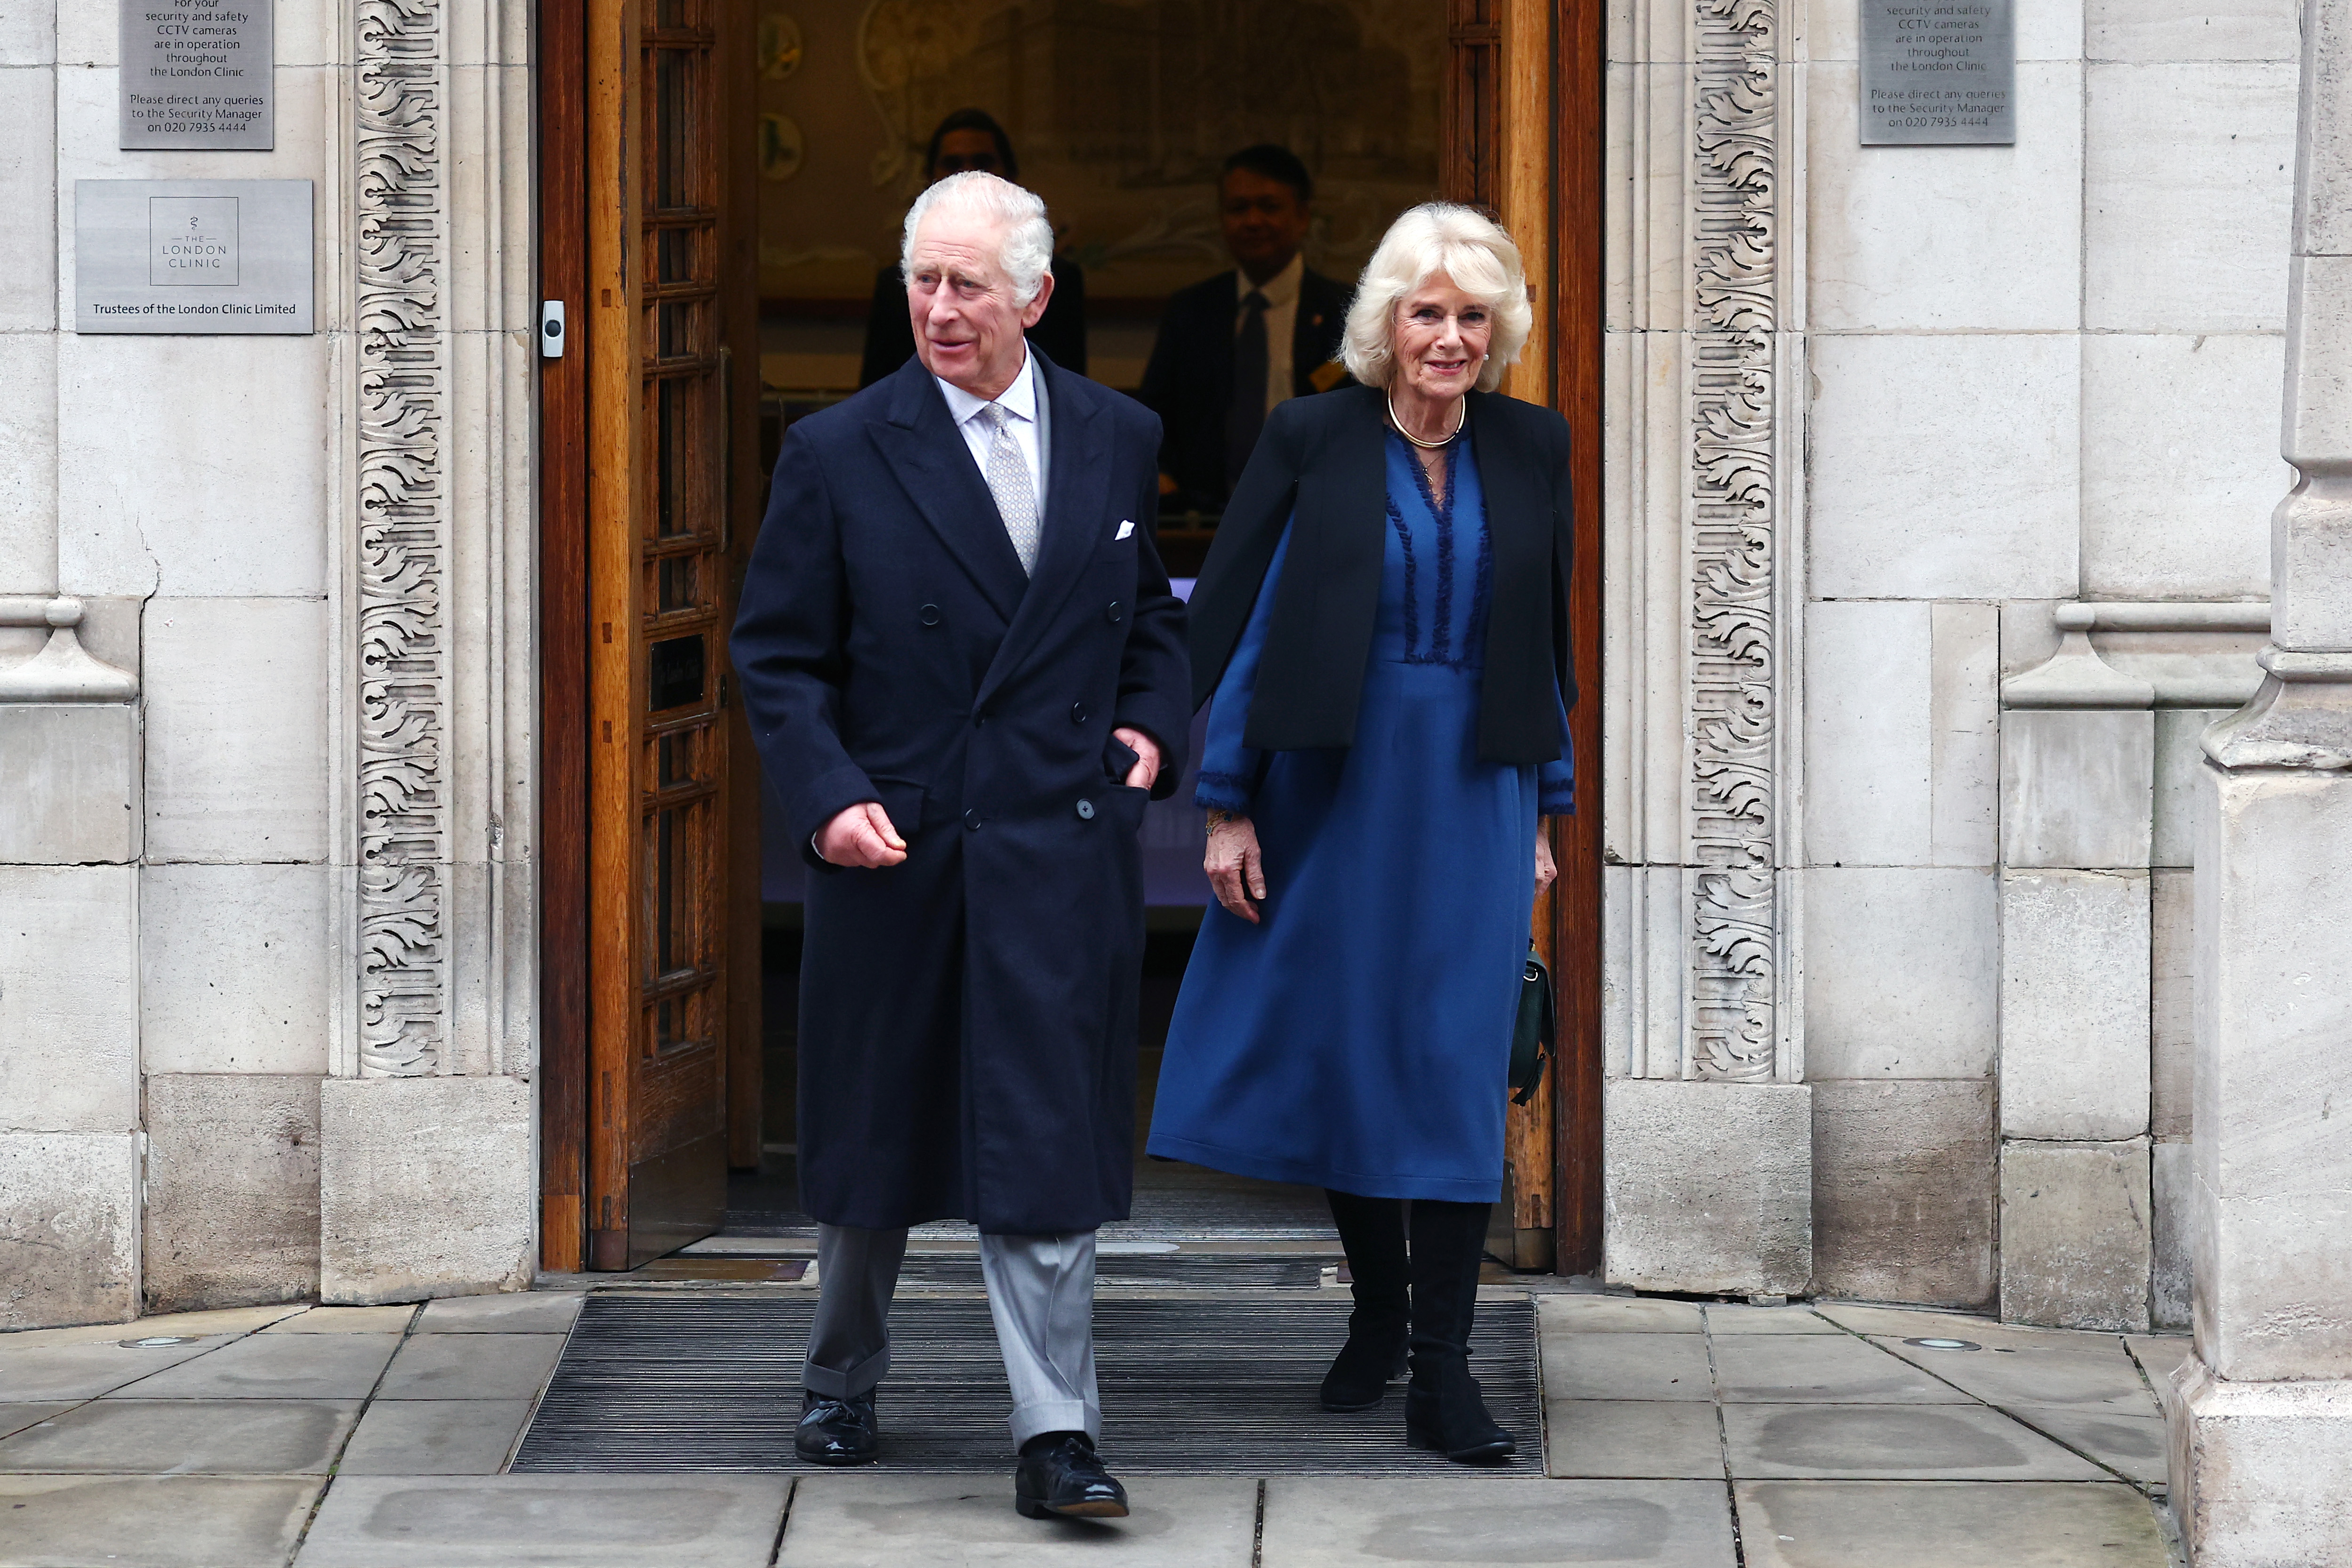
x: 1384, y: 626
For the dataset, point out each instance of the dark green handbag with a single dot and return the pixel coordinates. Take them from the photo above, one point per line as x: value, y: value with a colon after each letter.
x: 1532, y: 1039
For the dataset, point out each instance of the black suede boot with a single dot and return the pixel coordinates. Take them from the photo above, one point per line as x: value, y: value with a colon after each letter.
x: 1372, y: 1231
x: 1443, y: 1409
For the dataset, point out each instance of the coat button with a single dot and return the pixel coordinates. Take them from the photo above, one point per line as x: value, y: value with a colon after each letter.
x: 971, y: 820
x: 928, y: 614
x: 1115, y: 611
x: 1086, y: 810
x: 1078, y: 712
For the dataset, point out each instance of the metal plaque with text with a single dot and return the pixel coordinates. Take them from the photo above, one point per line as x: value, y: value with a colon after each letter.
x: 198, y: 74
x: 1938, y: 72
x: 192, y: 256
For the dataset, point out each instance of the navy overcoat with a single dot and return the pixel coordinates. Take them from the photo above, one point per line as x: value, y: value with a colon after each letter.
x: 968, y: 1017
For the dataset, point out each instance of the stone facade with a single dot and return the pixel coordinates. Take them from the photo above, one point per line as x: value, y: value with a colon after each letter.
x: 1935, y: 481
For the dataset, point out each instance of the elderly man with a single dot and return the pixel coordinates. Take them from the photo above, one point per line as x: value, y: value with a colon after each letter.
x: 966, y: 676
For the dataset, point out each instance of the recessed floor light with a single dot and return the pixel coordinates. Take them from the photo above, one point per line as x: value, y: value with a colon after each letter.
x: 1945, y: 1344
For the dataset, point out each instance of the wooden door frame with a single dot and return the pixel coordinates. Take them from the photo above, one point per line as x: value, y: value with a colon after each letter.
x: 1543, y: 119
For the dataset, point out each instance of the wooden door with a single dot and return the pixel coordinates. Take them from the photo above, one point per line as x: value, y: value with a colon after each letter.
x: 1523, y: 120
x: 667, y: 861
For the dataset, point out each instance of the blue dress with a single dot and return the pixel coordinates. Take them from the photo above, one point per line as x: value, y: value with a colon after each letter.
x: 1359, y: 1037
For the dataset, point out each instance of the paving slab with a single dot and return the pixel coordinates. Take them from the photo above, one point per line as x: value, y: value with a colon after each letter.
x: 1616, y: 1314
x: 528, y: 1312
x: 276, y: 1366
x: 1626, y: 1366
x: 14, y: 1418
x: 1722, y: 1319
x: 472, y: 1366
x: 84, y: 1369
x: 152, y: 1521
x: 547, y: 1521
x: 2100, y: 1374
x: 2159, y: 1355
x: 181, y: 1325
x: 436, y: 1438
x: 1894, y: 1442
x: 2131, y: 1445
x: 1910, y: 1322
x: 1628, y: 1439
x: 1949, y: 1524
x: 1315, y: 1521
x: 879, y: 1520
x: 186, y: 1437
x: 346, y: 1320
x: 1809, y: 1369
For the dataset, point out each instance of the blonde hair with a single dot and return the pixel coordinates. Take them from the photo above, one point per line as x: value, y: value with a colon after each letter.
x: 1467, y: 246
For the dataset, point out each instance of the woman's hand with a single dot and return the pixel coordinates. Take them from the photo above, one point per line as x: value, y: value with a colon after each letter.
x: 1545, y: 869
x: 1235, y: 864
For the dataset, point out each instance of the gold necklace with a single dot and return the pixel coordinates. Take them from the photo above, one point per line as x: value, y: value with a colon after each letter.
x: 1459, y: 420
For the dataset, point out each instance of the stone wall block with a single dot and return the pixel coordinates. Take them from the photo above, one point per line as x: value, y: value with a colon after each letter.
x: 69, y: 781
x: 2171, y: 1009
x: 1707, y: 1186
x: 1643, y: 970
x: 68, y: 999
x: 235, y: 698
x: 1869, y: 735
x: 2273, y: 1116
x: 1904, y: 1188
x: 2077, y: 787
x: 427, y: 1187
x: 2074, y: 1235
x: 2191, y: 29
x: 2172, y: 1209
x: 69, y: 1214
x: 232, y: 1213
x: 234, y: 966
x: 2074, y: 1006
x: 28, y: 187
x: 1923, y: 487
x: 2186, y: 199
x: 29, y: 472
x: 2260, y: 1471
x: 28, y: 34
x: 2179, y: 759
x: 1901, y: 968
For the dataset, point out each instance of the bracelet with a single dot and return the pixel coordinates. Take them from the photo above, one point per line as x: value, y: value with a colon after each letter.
x: 1217, y: 816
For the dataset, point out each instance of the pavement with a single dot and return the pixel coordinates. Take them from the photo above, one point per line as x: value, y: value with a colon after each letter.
x: 1679, y: 1435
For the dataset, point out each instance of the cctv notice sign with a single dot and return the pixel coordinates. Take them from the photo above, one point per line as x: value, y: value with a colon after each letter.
x: 1938, y: 73
x: 192, y: 256
x: 199, y: 75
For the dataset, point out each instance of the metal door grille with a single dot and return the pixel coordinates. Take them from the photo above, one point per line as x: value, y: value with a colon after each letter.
x: 1215, y: 1387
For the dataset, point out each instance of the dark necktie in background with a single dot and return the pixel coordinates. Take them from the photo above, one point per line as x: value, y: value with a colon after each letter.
x: 1246, y: 414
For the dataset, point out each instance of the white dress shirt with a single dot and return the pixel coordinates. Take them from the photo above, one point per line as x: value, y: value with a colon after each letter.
x: 1020, y: 400
x: 1281, y: 292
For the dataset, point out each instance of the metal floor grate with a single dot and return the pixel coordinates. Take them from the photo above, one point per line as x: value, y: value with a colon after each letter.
x: 1155, y: 1272
x: 1201, y: 1387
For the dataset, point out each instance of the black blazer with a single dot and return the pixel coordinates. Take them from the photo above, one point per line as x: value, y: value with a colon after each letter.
x: 1061, y: 331
x: 1322, y: 458
x: 1189, y: 381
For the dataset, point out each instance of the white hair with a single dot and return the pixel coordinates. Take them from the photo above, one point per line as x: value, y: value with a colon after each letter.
x: 1026, y: 251
x: 1467, y: 246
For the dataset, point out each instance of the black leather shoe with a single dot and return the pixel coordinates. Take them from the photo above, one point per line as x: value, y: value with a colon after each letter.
x: 837, y: 1431
x: 1061, y: 1474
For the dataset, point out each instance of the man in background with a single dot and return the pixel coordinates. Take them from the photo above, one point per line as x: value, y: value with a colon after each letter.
x: 1233, y: 346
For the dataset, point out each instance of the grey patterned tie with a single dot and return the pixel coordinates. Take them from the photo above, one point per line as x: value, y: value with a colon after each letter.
x: 1007, y: 472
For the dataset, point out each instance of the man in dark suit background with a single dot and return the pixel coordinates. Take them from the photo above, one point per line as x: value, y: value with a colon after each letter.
x: 1233, y: 346
x: 966, y: 676
x: 969, y: 139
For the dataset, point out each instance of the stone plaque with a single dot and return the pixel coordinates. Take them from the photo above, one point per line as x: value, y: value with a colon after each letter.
x: 1938, y: 72
x: 192, y: 256
x: 198, y: 74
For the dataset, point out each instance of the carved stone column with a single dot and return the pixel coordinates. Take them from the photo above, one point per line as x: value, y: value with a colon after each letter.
x: 428, y: 1181
x: 1706, y: 1120
x: 2261, y: 1415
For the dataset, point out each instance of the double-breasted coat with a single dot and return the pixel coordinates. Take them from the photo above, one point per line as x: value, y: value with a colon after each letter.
x: 968, y: 1017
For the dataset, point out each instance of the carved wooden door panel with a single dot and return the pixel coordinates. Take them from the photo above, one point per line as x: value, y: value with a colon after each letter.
x: 664, y: 755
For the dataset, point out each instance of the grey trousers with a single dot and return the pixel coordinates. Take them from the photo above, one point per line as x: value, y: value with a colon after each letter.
x: 1041, y: 1291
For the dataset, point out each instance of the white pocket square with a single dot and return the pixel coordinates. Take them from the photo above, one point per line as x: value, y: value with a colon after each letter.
x: 1125, y: 528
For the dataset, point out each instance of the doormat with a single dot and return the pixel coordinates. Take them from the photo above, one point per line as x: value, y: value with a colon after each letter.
x: 1159, y: 1272
x: 1191, y: 1387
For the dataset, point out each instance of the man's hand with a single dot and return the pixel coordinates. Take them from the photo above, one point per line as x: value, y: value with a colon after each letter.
x: 1146, y: 754
x: 861, y: 837
x: 1237, y: 867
